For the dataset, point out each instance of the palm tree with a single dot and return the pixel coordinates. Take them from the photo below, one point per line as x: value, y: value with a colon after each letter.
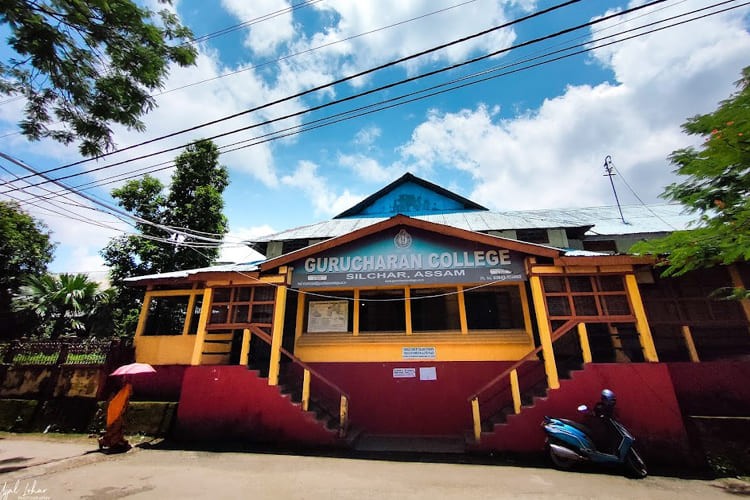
x: 63, y: 303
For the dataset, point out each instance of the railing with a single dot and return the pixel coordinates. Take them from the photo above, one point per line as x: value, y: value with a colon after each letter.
x: 680, y: 340
x: 323, y: 400
x: 92, y: 352
x: 484, y: 412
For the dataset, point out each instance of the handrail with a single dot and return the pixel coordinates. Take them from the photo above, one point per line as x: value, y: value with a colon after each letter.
x: 269, y: 340
x: 559, y: 332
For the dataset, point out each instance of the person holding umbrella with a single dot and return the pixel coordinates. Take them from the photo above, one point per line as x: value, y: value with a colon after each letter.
x: 113, y: 439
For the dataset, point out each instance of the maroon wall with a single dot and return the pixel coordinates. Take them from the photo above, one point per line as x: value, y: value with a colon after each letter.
x: 382, y: 404
x: 712, y: 388
x: 232, y: 402
x: 164, y: 385
x: 646, y: 405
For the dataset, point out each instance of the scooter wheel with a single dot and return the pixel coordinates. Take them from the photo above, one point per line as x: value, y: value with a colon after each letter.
x: 635, y: 465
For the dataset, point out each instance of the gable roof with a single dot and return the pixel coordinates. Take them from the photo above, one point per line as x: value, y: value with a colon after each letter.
x: 403, y: 220
x: 410, y: 195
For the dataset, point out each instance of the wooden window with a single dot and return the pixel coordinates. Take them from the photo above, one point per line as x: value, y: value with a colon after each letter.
x: 435, y: 310
x: 242, y: 305
x: 591, y: 296
x: 494, y: 308
x: 167, y: 315
x: 382, y: 311
x: 533, y: 235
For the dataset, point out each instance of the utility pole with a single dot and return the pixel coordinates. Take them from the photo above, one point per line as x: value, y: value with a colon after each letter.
x: 609, y: 169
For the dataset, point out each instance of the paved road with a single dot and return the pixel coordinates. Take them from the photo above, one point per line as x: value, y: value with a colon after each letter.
x: 55, y: 470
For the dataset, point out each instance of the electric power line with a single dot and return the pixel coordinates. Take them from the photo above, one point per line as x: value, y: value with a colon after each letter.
x: 329, y: 120
x: 337, y: 82
x: 351, y: 97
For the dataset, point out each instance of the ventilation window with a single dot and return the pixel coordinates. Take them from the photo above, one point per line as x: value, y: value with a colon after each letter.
x: 533, y: 235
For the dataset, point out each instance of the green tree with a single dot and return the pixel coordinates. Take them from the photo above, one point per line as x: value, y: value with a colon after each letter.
x: 715, y: 184
x: 25, y: 250
x: 83, y: 65
x: 64, y: 304
x: 194, y: 202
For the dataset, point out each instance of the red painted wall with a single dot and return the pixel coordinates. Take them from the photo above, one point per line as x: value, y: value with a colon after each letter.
x: 646, y: 405
x: 382, y: 404
x: 164, y: 385
x: 712, y: 388
x: 232, y: 402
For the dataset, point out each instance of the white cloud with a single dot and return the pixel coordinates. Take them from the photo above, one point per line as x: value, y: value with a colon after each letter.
x: 369, y: 169
x: 79, y: 242
x: 354, y: 18
x: 367, y: 136
x: 269, y: 23
x: 324, y: 200
x: 552, y: 156
x: 545, y: 157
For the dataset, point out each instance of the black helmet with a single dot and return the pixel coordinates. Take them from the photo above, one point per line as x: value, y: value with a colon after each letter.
x: 608, y: 396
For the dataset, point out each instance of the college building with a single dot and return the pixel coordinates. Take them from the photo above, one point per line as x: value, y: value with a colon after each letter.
x: 420, y: 318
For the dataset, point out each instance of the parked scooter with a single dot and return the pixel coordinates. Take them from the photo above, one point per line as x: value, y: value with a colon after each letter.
x: 606, y: 441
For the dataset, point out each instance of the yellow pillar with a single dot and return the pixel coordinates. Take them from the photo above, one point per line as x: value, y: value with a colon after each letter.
x: 355, y: 319
x: 647, y: 341
x: 515, y: 389
x: 462, y: 311
x: 277, y: 336
x: 300, y: 320
x: 545, y: 335
x: 189, y: 313
x: 208, y: 294
x: 306, y: 389
x: 343, y: 416
x: 526, y: 313
x: 583, y: 338
x: 407, y: 310
x: 245, y: 351
x: 688, y: 336
x: 737, y: 283
x: 143, y: 315
x: 477, y: 419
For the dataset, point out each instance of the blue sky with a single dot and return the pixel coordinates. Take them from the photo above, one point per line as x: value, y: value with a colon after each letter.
x: 533, y: 139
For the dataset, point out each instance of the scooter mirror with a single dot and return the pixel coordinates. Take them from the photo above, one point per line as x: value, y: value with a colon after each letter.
x: 583, y: 409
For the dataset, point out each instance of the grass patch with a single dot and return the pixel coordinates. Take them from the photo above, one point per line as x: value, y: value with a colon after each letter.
x: 16, y: 414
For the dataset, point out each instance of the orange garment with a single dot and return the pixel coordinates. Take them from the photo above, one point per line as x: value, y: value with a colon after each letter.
x: 113, y: 439
x: 118, y: 404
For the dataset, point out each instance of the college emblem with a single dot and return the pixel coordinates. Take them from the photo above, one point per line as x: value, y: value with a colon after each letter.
x: 402, y: 239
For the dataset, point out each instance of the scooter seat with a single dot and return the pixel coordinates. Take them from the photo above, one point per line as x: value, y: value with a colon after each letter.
x: 576, y: 425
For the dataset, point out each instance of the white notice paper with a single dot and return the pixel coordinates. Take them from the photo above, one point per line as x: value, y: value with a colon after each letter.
x: 428, y: 373
x: 404, y: 373
x: 418, y: 352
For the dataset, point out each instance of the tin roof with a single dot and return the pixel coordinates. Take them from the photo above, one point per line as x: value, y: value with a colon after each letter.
x: 177, y: 275
x: 414, y: 222
x: 639, y: 219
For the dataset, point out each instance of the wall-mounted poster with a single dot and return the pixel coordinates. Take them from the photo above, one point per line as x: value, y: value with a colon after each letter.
x: 328, y: 316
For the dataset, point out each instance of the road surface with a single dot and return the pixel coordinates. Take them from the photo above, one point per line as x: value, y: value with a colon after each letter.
x: 32, y: 469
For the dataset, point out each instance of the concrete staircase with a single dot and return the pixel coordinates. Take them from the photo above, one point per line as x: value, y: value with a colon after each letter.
x: 236, y: 403
x: 646, y: 405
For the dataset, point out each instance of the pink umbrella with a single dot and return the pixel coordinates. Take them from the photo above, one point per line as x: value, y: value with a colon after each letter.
x: 133, y: 369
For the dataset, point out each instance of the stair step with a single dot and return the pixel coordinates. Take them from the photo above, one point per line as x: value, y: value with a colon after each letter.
x: 529, y: 398
x: 413, y: 444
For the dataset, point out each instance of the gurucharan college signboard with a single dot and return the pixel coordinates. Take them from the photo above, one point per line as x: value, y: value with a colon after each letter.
x: 402, y: 256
